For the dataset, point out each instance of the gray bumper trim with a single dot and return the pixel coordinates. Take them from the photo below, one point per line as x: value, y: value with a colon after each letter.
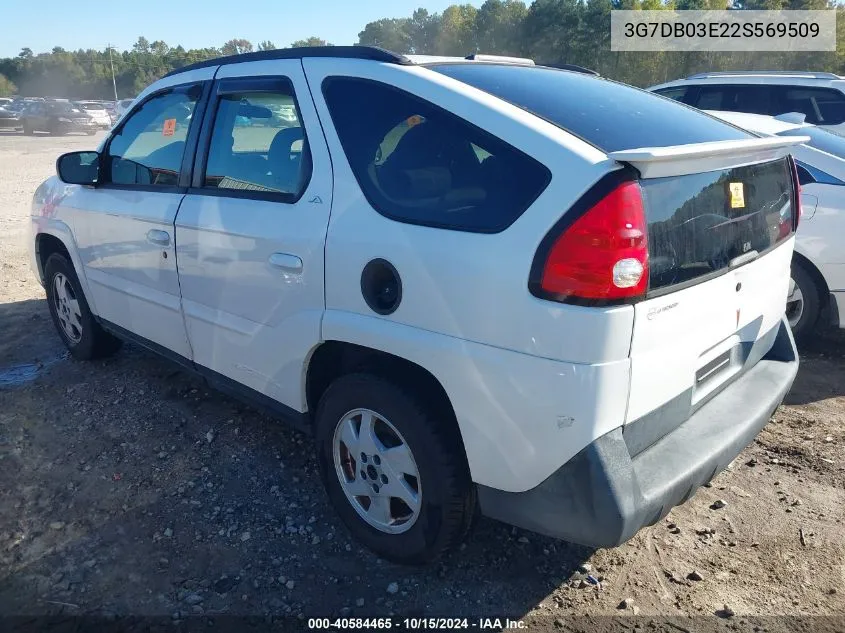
x: 603, y: 496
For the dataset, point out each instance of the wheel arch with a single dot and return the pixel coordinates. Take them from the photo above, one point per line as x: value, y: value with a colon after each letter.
x: 58, y: 239
x: 818, y: 278
x: 333, y: 359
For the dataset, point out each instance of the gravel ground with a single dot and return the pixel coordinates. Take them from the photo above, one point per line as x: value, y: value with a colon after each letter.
x: 128, y: 487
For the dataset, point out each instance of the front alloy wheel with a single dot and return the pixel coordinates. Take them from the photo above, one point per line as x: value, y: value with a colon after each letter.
x: 67, y: 308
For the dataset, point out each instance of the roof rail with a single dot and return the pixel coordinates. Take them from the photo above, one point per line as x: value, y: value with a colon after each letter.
x: 477, y: 57
x: 574, y: 68
x: 372, y: 53
x: 782, y: 73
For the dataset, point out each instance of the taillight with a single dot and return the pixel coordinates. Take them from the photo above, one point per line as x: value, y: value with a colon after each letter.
x: 603, y: 255
x: 797, y: 188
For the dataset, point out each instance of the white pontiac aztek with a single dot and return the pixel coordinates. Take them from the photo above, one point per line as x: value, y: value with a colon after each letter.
x: 480, y: 284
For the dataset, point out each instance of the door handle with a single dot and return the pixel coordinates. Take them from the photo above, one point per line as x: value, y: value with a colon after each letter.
x: 286, y: 262
x: 159, y: 238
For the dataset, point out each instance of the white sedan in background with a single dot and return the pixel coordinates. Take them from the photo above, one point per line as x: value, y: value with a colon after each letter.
x: 817, y: 291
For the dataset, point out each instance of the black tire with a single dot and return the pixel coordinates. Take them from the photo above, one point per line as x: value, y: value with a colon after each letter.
x: 806, y: 325
x: 448, y: 496
x: 94, y: 341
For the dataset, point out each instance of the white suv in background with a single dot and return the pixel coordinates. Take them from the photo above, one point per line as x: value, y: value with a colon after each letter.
x: 818, y: 265
x: 474, y: 292
x: 96, y: 111
x: 819, y: 96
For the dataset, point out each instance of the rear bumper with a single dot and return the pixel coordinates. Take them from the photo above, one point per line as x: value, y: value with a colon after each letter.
x: 603, y: 495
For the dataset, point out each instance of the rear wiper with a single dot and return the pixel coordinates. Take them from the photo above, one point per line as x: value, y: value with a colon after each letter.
x: 750, y: 256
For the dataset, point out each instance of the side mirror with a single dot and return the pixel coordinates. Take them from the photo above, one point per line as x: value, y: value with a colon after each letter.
x: 79, y: 168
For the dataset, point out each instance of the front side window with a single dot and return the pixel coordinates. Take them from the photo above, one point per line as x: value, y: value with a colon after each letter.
x: 419, y: 164
x: 149, y: 147
x: 258, y: 144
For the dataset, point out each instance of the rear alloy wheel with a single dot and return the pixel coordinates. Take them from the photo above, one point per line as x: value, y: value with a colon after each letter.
x: 393, y: 469
x: 377, y: 471
x: 803, y: 303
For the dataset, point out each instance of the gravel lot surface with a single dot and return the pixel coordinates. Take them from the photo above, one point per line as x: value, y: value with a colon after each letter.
x: 128, y: 487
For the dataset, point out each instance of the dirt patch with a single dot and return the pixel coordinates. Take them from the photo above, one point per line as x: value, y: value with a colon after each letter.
x: 130, y: 488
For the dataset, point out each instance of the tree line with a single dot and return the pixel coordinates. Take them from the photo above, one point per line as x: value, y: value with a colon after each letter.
x: 549, y: 31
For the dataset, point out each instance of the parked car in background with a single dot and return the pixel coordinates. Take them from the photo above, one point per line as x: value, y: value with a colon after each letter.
x: 56, y: 117
x: 817, y: 289
x: 557, y: 315
x: 96, y: 111
x: 122, y: 106
x: 5, y: 101
x: 10, y: 119
x: 819, y: 96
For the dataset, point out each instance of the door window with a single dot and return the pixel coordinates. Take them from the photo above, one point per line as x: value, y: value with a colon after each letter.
x: 258, y: 145
x: 731, y: 98
x: 417, y: 163
x: 149, y: 147
x: 676, y: 92
x: 821, y: 106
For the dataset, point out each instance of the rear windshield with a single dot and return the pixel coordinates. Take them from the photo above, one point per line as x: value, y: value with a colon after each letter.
x: 700, y: 224
x: 609, y: 115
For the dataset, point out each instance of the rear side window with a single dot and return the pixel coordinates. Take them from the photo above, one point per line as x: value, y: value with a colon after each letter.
x: 822, y: 106
x: 698, y: 224
x: 609, y: 115
x: 418, y: 163
x: 733, y: 98
x: 677, y: 93
x: 258, y: 144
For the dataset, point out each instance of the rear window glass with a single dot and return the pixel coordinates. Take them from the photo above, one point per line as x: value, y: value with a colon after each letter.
x: 698, y: 224
x: 609, y: 115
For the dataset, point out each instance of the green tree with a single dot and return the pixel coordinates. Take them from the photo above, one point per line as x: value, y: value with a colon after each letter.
x: 422, y: 29
x: 26, y: 53
x: 236, y: 47
x: 457, y: 31
x: 311, y: 41
x: 266, y: 45
x: 498, y: 26
x: 7, y: 88
x: 389, y: 33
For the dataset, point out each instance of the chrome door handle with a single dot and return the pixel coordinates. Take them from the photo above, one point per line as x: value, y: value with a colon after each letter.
x: 159, y: 238
x: 286, y: 262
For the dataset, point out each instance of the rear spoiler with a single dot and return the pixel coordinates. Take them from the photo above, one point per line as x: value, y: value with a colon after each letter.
x: 678, y: 160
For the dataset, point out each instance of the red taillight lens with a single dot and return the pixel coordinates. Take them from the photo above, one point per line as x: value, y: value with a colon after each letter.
x: 797, y: 183
x: 603, y: 255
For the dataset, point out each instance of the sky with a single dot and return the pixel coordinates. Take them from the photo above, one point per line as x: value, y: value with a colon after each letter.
x: 43, y: 24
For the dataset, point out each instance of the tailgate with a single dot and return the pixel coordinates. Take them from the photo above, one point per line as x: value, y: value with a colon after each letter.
x: 720, y: 227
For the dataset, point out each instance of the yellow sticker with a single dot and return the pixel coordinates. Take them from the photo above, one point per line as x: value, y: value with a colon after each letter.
x: 416, y: 119
x: 737, y: 195
x: 169, y: 127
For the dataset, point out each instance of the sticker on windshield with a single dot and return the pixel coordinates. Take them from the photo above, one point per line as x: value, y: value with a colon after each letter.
x: 737, y: 195
x: 169, y: 127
